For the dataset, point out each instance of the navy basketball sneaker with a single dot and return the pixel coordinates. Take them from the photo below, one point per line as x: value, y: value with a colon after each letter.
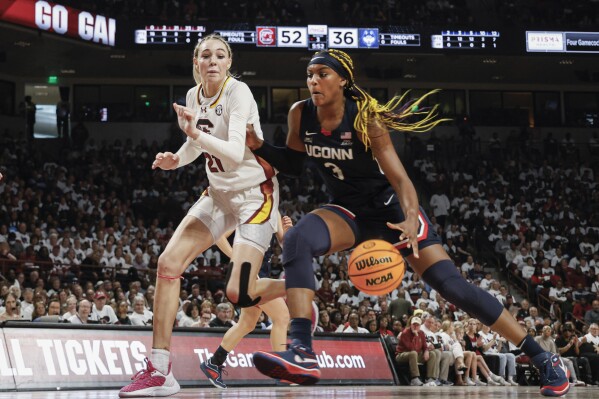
x: 214, y: 373
x: 554, y: 375
x: 297, y: 364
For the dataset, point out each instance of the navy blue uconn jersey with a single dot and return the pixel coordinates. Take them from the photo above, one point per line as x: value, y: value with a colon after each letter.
x: 361, y: 194
x: 351, y: 174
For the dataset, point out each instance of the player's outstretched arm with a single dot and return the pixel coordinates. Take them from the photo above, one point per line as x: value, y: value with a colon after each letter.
x: 391, y: 165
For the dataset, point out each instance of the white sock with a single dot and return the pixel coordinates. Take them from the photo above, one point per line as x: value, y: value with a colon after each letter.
x: 160, y: 359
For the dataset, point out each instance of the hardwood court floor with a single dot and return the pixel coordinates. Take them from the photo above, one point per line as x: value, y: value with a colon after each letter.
x: 325, y: 392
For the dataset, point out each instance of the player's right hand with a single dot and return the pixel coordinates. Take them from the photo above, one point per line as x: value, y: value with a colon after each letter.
x: 251, y: 138
x: 185, y: 118
x: 287, y: 223
x: 166, y: 161
x: 409, y: 231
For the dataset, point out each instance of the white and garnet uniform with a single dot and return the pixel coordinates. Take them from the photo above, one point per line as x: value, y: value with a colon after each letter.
x: 243, y: 190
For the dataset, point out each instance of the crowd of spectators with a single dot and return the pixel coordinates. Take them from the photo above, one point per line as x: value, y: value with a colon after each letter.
x: 400, y: 13
x: 546, y: 14
x: 533, y: 211
x: 80, y: 236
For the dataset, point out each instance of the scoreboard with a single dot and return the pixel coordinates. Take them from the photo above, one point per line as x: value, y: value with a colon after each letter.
x: 310, y: 37
x: 292, y: 36
x: 466, y: 39
x: 322, y: 37
x: 57, y: 19
x: 400, y: 39
x: 317, y: 37
x: 169, y: 34
x: 238, y: 36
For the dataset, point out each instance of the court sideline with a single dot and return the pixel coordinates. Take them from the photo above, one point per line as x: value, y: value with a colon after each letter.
x: 324, y: 392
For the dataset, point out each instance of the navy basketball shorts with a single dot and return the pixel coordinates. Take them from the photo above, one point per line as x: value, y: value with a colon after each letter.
x: 370, y: 222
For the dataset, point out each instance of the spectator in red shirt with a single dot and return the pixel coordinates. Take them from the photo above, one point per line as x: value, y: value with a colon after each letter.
x: 383, y: 324
x: 538, y: 278
x: 325, y: 293
x: 412, y: 349
x: 580, y: 308
x: 576, y: 277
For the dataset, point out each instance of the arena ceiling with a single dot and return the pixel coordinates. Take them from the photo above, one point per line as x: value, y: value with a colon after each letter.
x: 32, y: 55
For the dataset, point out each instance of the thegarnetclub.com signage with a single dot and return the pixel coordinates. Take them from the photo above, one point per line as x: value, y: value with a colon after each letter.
x: 66, y: 357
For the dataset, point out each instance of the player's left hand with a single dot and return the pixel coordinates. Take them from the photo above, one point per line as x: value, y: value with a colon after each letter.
x: 185, y: 118
x: 409, y: 231
x: 251, y: 138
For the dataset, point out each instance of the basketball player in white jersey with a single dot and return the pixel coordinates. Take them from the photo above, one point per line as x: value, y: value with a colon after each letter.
x: 243, y: 196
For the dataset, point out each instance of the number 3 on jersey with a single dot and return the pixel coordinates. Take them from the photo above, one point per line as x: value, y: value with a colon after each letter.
x: 336, y: 170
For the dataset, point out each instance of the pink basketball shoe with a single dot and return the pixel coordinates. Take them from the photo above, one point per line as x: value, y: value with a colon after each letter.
x: 151, y: 382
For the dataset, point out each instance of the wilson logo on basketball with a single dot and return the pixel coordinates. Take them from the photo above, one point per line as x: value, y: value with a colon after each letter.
x: 375, y: 267
x: 379, y: 280
x: 372, y: 261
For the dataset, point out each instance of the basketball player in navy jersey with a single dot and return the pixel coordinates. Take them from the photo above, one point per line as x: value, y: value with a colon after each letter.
x: 345, y: 132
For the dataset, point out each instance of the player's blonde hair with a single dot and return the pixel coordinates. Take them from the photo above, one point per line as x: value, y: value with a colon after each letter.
x: 393, y: 114
x: 196, y: 53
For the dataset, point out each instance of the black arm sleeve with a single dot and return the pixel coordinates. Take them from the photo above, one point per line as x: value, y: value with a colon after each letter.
x: 284, y: 159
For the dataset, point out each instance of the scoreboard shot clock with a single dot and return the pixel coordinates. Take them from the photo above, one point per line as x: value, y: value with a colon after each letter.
x: 317, y: 37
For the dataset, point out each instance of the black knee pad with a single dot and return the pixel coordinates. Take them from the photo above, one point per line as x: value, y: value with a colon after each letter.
x: 243, y: 300
x: 443, y: 276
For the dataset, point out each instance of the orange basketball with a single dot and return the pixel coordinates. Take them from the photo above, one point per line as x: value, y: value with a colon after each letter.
x: 376, y: 267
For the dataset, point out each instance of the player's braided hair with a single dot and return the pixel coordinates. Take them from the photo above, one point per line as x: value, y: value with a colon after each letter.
x: 393, y: 114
